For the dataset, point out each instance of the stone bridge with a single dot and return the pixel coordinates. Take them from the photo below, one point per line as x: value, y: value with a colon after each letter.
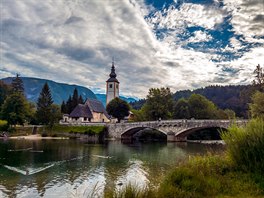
x: 176, y: 130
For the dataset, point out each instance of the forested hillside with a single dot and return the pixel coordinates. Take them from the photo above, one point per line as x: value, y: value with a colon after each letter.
x: 234, y: 97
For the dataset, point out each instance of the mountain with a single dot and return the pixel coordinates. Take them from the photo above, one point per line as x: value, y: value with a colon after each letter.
x: 59, y: 91
x: 102, y: 98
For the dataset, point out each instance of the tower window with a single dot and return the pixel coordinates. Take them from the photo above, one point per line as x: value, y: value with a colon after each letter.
x: 117, y: 86
x: 110, y: 86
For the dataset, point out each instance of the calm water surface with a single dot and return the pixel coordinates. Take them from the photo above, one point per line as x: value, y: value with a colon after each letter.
x: 73, y: 168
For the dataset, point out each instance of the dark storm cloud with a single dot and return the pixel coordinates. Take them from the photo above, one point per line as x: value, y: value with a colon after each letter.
x: 73, y: 19
x: 76, y: 53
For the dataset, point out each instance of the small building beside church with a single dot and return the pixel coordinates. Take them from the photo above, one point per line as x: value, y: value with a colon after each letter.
x: 93, y: 110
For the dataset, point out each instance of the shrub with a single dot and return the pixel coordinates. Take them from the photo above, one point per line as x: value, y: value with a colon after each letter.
x: 246, y: 145
x: 3, y: 125
x: 44, y: 134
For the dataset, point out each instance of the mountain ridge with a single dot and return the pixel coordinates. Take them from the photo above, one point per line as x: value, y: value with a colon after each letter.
x: 59, y: 91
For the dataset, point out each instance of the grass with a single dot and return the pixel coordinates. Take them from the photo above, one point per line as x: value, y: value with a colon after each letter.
x: 90, y: 130
x: 57, y: 130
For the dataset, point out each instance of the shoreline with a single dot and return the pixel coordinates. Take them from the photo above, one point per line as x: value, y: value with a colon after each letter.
x: 33, y: 137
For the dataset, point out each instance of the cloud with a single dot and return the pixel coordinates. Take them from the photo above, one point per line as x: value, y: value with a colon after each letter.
x: 199, y: 36
x: 74, y: 42
x: 247, y: 17
x: 188, y: 15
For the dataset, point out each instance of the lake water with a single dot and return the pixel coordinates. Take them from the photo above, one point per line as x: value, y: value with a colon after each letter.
x: 74, y: 168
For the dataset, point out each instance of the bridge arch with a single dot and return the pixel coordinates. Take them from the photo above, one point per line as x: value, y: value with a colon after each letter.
x: 128, y: 134
x: 182, y: 135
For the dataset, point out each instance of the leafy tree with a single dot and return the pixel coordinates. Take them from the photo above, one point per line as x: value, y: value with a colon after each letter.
x: 5, y: 90
x: 44, y: 113
x: 16, y: 110
x: 181, y: 109
x: 138, y: 115
x: 159, y: 104
x: 55, y: 114
x: 257, y: 105
x: 230, y: 114
x: 118, y: 108
x: 17, y: 84
x: 201, y: 107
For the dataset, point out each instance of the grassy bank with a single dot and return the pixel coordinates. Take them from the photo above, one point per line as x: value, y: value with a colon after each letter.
x: 237, y: 173
x: 57, y: 130
x: 77, y: 129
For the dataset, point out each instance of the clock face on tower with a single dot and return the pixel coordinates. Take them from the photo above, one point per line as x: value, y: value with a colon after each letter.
x: 112, y: 86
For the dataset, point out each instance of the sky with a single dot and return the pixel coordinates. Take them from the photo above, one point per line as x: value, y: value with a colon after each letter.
x: 180, y: 44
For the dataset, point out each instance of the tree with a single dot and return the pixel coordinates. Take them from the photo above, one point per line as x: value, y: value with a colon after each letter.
x: 259, y: 76
x: 118, y: 108
x: 5, y: 90
x: 63, y: 107
x: 75, y: 98
x: 159, y: 104
x: 201, y: 107
x: 80, y: 100
x: 138, y: 115
x: 257, y: 105
x: 55, y: 114
x: 44, y: 111
x: 69, y: 105
x: 16, y: 110
x: 181, y: 109
x: 17, y: 84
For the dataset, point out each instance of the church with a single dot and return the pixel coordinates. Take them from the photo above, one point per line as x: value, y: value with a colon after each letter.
x: 93, y: 110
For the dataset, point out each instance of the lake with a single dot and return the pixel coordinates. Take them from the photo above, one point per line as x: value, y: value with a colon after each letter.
x: 75, y: 168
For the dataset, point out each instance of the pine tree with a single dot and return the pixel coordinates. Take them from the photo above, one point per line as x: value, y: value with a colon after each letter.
x: 81, y: 100
x: 75, y: 98
x: 44, y: 105
x: 63, y: 107
x: 69, y: 105
x: 17, y: 84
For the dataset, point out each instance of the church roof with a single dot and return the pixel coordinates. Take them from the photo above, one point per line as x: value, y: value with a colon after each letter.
x: 112, y: 80
x: 81, y: 111
x: 96, y: 106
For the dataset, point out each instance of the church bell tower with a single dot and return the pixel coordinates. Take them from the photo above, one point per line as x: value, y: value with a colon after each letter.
x: 112, y: 85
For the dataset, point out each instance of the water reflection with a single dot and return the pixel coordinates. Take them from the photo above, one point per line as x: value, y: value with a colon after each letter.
x: 70, y: 168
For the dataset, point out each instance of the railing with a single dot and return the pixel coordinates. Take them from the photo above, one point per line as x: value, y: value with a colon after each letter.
x: 179, y: 121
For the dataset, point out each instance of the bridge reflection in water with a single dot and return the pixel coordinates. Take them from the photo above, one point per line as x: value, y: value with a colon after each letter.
x: 175, y: 130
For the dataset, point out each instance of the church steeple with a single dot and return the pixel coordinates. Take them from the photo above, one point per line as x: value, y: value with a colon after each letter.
x: 113, y: 74
x: 112, y: 85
